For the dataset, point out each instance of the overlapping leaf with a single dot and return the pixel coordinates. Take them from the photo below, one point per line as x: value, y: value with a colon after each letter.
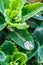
x: 30, y: 10
x: 20, y: 57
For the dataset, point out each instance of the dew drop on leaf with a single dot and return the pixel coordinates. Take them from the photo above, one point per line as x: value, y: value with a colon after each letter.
x: 28, y: 45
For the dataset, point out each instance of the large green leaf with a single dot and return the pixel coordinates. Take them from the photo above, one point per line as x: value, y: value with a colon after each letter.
x: 8, y: 47
x: 22, y: 38
x: 16, y: 4
x: 30, y: 10
x: 38, y: 34
x: 2, y: 56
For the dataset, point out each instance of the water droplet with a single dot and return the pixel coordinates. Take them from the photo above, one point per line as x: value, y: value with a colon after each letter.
x: 37, y: 15
x: 28, y: 45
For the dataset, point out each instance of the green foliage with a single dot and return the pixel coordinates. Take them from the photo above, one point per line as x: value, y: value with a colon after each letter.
x: 18, y: 46
x: 30, y: 10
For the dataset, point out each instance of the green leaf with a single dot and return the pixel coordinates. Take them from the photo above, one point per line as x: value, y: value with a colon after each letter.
x: 16, y: 4
x: 22, y: 38
x: 38, y: 34
x: 19, y: 57
x: 30, y: 10
x: 8, y: 47
x: 2, y: 23
x: 2, y: 56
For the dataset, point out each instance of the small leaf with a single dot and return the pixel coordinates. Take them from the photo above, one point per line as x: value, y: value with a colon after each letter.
x: 13, y: 63
x: 20, y: 57
x: 2, y: 56
x: 30, y: 10
x: 8, y: 47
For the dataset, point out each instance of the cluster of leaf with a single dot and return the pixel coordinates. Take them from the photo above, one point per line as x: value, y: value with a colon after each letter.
x: 16, y: 43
